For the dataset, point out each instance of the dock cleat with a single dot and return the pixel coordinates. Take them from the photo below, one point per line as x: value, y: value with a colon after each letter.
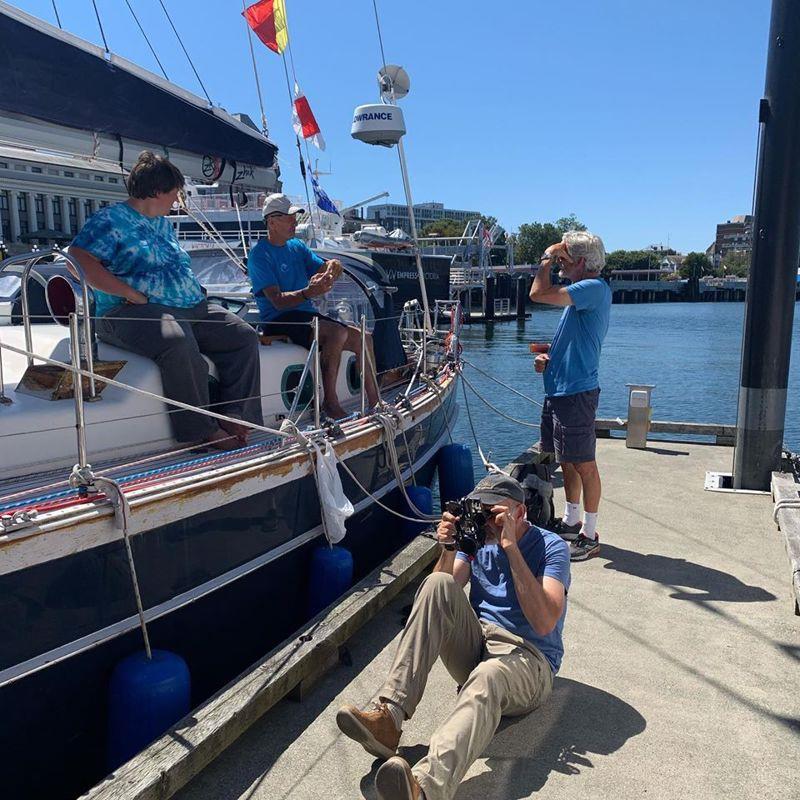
x: 373, y: 729
x: 583, y: 548
x: 569, y: 533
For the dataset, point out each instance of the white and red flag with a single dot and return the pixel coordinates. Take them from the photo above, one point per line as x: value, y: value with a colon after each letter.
x: 303, y: 120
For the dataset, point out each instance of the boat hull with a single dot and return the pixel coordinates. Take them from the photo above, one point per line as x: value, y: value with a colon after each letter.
x: 221, y: 588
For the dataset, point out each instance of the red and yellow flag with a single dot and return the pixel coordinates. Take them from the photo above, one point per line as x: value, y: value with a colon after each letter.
x: 267, y: 18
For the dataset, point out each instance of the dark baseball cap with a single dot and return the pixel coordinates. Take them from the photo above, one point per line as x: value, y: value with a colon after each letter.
x: 495, y: 488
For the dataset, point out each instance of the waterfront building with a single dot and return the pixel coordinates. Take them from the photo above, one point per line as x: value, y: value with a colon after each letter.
x: 47, y: 198
x: 396, y: 216
x: 735, y: 234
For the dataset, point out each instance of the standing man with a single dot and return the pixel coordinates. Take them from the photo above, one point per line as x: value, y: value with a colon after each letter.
x: 570, y: 379
x: 286, y: 275
x: 503, y: 645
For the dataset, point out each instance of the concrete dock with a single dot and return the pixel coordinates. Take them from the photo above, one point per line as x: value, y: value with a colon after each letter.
x: 680, y: 675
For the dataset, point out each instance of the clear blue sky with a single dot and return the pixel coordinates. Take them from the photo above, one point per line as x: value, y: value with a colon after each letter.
x: 639, y: 116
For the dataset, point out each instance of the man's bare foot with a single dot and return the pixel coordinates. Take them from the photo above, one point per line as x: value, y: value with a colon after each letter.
x: 393, y: 376
x: 334, y: 410
x: 221, y: 440
x: 241, y: 432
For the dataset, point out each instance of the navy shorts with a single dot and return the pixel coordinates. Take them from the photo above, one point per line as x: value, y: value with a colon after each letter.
x: 568, y: 426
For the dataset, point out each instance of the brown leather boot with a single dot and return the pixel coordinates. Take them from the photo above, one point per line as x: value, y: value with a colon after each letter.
x: 395, y: 781
x: 374, y: 730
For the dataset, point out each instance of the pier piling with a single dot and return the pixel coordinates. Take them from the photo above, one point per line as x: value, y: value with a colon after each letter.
x: 772, y: 282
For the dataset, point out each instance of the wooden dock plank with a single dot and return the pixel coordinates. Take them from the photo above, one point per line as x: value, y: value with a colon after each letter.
x: 172, y: 760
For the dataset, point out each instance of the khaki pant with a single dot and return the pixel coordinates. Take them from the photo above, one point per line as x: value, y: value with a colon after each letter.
x: 500, y: 674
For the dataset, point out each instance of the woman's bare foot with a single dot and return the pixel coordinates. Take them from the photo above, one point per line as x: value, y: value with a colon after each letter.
x: 221, y: 440
x: 241, y: 432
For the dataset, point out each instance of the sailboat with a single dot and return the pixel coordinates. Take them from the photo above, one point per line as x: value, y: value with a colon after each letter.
x: 221, y: 541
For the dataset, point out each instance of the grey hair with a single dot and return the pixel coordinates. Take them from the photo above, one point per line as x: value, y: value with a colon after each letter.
x: 582, y: 244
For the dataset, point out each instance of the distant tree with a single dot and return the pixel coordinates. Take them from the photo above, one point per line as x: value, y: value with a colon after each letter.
x: 736, y: 262
x: 695, y: 265
x: 444, y: 227
x: 533, y: 238
x: 569, y: 223
x: 632, y: 259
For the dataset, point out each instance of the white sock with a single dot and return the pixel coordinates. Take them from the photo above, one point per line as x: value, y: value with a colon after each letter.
x: 398, y: 715
x: 572, y: 513
x: 589, y: 525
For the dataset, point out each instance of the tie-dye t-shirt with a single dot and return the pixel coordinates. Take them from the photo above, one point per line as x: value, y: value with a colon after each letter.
x: 144, y: 253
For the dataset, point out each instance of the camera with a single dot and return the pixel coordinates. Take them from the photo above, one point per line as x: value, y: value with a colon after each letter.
x: 470, y: 528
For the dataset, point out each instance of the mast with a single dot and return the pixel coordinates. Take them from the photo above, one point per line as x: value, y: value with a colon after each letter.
x: 772, y: 282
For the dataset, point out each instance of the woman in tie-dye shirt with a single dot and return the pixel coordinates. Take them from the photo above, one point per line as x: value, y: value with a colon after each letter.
x: 148, y: 300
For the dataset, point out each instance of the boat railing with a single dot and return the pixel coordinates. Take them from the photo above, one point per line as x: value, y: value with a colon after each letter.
x: 82, y: 366
x: 84, y: 330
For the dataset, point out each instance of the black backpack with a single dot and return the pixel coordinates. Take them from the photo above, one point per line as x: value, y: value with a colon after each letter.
x: 533, y: 469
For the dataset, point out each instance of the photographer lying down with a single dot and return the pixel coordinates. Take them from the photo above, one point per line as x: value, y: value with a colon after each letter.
x: 503, y: 646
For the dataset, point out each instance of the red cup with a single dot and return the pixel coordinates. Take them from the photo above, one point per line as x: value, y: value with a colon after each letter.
x: 539, y: 347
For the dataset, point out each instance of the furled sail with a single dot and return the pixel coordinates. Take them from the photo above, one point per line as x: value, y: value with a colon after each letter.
x: 51, y: 76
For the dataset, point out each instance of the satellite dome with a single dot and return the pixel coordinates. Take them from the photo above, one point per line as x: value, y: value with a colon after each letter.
x: 378, y: 124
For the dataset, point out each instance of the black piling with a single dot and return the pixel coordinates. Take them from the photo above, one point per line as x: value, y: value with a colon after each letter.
x: 488, y: 312
x: 522, y: 296
x: 771, y: 284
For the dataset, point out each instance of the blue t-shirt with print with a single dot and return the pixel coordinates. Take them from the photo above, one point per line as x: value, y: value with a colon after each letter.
x: 578, y: 340
x: 288, y: 267
x: 144, y: 253
x: 493, y: 595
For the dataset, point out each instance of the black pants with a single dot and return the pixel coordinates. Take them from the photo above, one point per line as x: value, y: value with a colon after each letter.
x: 175, y: 338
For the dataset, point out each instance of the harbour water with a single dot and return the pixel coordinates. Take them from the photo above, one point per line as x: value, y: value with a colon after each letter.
x: 690, y: 351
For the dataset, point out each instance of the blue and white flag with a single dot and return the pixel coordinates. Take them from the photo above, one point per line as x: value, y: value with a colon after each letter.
x: 323, y: 201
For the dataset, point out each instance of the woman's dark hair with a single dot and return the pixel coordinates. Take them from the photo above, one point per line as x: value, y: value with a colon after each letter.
x: 152, y: 175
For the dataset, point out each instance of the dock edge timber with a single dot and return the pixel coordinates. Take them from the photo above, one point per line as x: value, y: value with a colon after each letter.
x: 724, y: 435
x: 784, y: 487
x: 172, y: 760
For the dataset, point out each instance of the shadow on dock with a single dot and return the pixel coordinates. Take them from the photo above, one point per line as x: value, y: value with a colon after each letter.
x: 678, y: 573
x: 577, y: 722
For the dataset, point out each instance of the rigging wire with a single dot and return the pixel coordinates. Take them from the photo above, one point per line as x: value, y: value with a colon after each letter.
x: 380, y: 38
x: 497, y: 410
x: 100, y: 25
x: 264, y: 128
x: 55, y: 10
x: 504, y: 385
x: 152, y: 50
x: 185, y: 52
x: 472, y: 426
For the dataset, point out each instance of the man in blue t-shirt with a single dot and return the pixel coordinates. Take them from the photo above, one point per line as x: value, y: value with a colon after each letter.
x: 503, y: 646
x: 571, y: 384
x: 286, y: 276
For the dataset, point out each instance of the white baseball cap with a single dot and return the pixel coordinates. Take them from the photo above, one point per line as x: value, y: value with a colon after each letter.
x: 279, y: 203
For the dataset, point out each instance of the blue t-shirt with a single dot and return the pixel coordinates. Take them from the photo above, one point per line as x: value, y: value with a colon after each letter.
x: 288, y: 267
x: 144, y: 253
x: 494, y: 597
x: 575, y: 351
